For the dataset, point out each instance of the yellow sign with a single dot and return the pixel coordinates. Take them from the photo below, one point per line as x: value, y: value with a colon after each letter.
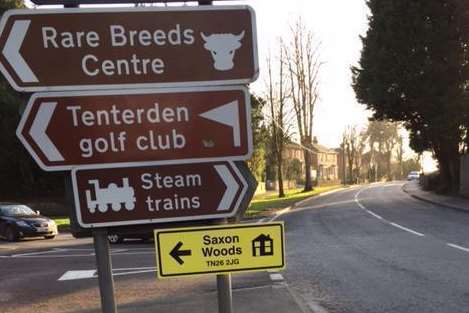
x: 219, y: 249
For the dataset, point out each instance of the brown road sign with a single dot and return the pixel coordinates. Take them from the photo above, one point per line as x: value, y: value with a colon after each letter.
x: 78, y: 49
x: 157, y: 194
x: 164, y: 126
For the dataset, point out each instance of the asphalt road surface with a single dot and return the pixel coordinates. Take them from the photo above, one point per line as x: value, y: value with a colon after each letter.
x: 43, y: 276
x: 365, y: 249
x: 376, y: 249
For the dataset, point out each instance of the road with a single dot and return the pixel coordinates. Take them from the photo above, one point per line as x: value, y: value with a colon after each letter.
x: 364, y: 249
x: 43, y: 276
x: 376, y: 249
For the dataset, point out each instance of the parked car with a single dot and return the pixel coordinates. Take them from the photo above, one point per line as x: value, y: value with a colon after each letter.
x: 19, y: 221
x: 414, y: 175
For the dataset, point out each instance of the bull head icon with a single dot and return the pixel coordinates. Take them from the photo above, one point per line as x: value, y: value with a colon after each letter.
x: 223, y: 48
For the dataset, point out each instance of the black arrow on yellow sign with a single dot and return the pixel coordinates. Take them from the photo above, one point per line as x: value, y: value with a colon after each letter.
x: 176, y: 253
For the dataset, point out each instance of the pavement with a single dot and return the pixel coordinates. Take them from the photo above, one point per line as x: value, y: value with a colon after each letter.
x: 453, y: 202
x: 270, y: 299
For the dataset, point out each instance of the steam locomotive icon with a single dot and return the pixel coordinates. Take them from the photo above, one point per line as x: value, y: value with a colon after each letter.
x: 112, y: 195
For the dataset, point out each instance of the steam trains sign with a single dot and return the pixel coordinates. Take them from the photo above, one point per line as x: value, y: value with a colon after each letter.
x: 156, y: 194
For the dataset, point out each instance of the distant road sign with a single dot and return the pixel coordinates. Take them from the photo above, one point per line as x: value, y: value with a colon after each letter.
x: 163, y: 126
x: 158, y: 194
x: 78, y: 49
x: 219, y: 249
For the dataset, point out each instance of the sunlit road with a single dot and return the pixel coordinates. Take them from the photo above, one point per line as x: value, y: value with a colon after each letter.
x: 43, y: 276
x: 376, y: 249
x: 366, y: 249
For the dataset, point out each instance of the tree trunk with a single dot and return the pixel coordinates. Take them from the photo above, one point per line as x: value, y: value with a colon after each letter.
x: 350, y: 170
x: 448, y: 164
x: 281, y: 192
x: 388, y: 165
x: 308, y: 178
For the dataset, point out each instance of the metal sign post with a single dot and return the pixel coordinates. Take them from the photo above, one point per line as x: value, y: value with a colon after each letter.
x: 224, y: 289
x: 103, y: 256
x: 224, y: 293
x: 104, y: 264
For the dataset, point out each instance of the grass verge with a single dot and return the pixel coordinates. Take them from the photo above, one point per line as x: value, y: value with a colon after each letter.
x: 265, y: 203
x: 260, y: 205
x: 63, y: 223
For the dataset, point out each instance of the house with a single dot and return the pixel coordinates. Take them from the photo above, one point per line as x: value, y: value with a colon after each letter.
x: 325, y: 166
x: 325, y: 162
x: 262, y: 245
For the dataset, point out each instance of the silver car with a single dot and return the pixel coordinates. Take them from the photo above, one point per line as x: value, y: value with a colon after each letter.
x: 414, y: 175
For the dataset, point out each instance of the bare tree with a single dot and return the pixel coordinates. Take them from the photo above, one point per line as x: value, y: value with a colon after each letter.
x: 400, y: 156
x: 351, y: 144
x: 303, y: 64
x: 277, y: 94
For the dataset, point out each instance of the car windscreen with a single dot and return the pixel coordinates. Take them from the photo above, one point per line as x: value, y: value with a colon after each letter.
x: 16, y: 210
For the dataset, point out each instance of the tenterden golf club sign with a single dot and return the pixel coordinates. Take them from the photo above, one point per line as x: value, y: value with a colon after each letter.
x: 71, y: 49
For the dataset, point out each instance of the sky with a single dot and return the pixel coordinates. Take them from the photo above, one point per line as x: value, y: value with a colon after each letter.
x: 337, y: 25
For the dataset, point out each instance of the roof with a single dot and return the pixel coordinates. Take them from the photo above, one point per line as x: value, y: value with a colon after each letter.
x: 320, y: 148
x: 315, y: 147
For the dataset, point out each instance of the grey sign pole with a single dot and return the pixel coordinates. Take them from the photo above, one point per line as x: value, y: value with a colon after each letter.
x: 225, y: 296
x: 102, y: 251
x: 224, y: 291
x: 103, y: 261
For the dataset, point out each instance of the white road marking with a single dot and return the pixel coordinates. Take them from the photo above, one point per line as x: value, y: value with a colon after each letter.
x: 32, y: 253
x: 59, y: 253
x: 134, y: 272
x: 458, y: 247
x: 74, y: 275
x: 407, y: 229
x: 87, y: 274
x: 374, y: 214
x: 357, y: 201
x: 276, y: 277
x: 133, y: 268
x: 77, y: 255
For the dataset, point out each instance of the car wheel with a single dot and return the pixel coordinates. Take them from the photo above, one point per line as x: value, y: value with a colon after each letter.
x: 114, y: 238
x: 11, y: 234
x: 49, y: 237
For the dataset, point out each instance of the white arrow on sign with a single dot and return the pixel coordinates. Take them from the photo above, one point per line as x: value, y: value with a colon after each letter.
x: 11, y: 51
x: 227, y: 114
x: 38, y: 131
x: 232, y: 187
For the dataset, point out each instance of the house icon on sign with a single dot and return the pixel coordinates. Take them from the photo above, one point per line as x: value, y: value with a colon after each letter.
x: 262, y: 245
